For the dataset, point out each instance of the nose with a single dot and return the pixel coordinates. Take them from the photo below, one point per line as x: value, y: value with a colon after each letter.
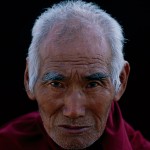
x: 74, y: 105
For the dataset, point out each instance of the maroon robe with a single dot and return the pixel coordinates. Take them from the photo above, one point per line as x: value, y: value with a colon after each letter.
x: 27, y: 133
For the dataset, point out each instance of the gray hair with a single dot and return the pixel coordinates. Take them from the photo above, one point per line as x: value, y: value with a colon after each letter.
x: 89, y: 12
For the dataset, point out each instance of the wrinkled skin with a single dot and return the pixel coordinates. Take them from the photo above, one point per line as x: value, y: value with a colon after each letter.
x: 74, y: 91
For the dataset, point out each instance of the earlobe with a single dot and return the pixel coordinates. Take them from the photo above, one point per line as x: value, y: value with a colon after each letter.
x: 123, y: 81
x: 26, y: 84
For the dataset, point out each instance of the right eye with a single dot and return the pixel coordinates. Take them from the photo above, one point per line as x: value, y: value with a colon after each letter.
x: 57, y: 84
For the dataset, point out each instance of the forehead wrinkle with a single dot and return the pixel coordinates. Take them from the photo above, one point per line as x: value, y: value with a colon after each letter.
x: 83, y: 60
x: 66, y: 65
x: 61, y: 52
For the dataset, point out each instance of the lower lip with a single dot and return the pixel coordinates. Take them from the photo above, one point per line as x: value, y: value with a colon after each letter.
x: 68, y: 130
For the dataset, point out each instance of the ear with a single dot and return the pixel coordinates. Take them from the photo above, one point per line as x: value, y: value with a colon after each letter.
x: 123, y: 79
x: 26, y: 83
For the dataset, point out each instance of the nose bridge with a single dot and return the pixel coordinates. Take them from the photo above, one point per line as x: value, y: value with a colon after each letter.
x: 74, y: 104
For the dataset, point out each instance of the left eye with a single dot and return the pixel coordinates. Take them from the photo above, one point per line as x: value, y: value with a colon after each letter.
x: 57, y: 84
x: 92, y: 84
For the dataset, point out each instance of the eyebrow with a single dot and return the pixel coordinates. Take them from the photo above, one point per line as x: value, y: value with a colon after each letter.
x: 59, y: 77
x: 97, y: 76
x: 52, y: 76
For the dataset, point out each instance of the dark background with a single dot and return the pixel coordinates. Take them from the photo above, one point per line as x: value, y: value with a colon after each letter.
x: 16, y: 21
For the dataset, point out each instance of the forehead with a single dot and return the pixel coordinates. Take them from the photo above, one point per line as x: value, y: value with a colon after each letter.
x: 76, y: 48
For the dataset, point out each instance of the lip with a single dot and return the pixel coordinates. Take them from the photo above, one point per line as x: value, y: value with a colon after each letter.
x: 69, y: 129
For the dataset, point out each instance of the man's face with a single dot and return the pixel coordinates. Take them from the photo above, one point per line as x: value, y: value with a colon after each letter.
x: 74, y: 90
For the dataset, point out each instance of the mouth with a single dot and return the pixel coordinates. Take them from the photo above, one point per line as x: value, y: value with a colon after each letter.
x: 69, y: 129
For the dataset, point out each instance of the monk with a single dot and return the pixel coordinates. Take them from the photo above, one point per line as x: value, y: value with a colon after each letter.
x: 76, y: 71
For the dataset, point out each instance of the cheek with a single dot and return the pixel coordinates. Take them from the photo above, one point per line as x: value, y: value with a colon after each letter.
x: 47, y: 110
x: 101, y: 113
x: 100, y: 105
x: 100, y: 101
x: 49, y: 103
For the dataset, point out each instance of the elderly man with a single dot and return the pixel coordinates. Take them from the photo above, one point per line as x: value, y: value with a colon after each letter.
x: 76, y: 72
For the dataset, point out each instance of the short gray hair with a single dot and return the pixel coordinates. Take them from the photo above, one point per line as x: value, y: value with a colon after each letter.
x: 89, y: 12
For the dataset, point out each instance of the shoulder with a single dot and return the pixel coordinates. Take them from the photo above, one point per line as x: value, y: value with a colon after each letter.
x: 18, y: 130
x: 137, y: 140
x: 20, y: 123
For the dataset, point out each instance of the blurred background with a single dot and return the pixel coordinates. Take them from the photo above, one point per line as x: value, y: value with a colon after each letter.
x: 16, y: 21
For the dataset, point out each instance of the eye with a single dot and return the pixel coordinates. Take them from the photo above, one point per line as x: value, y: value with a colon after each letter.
x: 57, y: 84
x: 92, y: 85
